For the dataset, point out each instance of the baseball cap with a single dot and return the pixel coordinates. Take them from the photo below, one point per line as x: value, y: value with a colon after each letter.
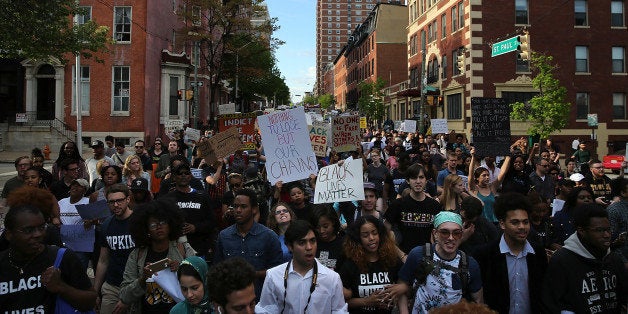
x: 139, y: 184
x: 81, y: 182
x: 576, y: 177
x: 370, y: 186
x: 97, y: 143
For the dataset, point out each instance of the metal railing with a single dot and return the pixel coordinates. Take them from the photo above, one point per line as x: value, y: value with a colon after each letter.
x: 42, y: 119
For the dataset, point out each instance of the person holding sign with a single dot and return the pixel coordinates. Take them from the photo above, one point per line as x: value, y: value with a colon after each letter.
x: 481, y: 187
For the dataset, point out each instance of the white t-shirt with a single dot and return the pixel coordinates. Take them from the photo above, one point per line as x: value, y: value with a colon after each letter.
x: 69, y: 214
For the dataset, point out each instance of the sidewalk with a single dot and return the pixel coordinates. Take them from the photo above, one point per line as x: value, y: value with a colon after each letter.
x: 10, y: 156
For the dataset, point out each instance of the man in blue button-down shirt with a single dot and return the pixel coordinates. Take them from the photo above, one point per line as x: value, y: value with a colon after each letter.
x: 257, y: 244
x: 512, y: 268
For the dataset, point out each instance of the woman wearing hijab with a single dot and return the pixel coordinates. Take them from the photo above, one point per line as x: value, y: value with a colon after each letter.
x: 192, y: 275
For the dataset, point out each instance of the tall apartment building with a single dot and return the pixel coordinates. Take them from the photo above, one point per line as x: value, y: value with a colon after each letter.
x: 335, y: 21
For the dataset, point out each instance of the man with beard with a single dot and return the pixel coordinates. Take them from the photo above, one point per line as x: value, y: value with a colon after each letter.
x: 246, y: 238
x: 584, y: 276
x: 302, y: 285
x: 163, y: 167
x: 410, y: 217
x: 28, y: 282
x: 21, y: 165
x: 512, y: 268
x: 116, y: 245
x: 199, y: 219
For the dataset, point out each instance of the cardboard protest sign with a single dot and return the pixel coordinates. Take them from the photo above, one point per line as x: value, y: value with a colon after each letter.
x: 409, y: 126
x: 77, y: 238
x: 439, y: 126
x: 336, y: 183
x: 319, y: 138
x: 289, y: 154
x: 345, y: 133
x: 491, y: 126
x: 244, y: 123
x: 223, y: 144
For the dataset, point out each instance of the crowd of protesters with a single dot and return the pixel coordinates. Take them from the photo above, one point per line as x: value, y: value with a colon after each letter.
x: 441, y: 225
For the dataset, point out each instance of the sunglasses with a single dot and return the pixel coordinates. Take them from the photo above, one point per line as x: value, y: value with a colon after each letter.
x: 456, y: 234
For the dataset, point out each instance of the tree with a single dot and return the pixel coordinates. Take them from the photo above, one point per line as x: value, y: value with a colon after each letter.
x: 327, y: 101
x: 548, y: 111
x: 371, y: 100
x: 224, y: 32
x: 310, y: 99
x: 39, y: 30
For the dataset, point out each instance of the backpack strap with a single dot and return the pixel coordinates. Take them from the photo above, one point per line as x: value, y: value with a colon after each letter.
x: 463, y: 273
x: 59, y: 257
x: 181, y: 249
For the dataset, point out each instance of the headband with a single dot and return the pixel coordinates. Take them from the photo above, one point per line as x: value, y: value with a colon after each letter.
x: 447, y: 216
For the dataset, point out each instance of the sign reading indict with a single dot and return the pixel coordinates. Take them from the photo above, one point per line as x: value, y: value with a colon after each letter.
x: 505, y: 46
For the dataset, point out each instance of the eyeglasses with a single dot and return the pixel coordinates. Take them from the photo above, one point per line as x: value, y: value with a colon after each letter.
x: 155, y: 225
x: 456, y: 234
x: 139, y: 146
x: 281, y: 211
x: 184, y: 173
x: 118, y: 201
x: 600, y: 230
x: 31, y: 230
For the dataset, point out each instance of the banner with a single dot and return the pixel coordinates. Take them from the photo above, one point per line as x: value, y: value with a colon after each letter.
x: 439, y: 126
x: 289, y: 154
x: 345, y: 133
x: 244, y: 123
x: 409, y: 126
x: 193, y: 134
x: 96, y: 210
x: 318, y: 138
x: 336, y: 183
x: 77, y: 238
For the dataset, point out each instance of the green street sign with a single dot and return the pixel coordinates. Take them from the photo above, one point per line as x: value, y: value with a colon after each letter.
x: 505, y: 46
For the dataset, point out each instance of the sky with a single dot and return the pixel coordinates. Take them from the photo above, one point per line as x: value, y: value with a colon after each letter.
x: 297, y: 57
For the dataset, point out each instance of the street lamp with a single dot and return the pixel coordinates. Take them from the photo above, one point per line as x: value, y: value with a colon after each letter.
x: 237, y: 74
x: 195, y: 108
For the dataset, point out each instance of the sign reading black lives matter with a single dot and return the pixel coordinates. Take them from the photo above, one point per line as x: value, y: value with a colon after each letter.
x: 491, y: 126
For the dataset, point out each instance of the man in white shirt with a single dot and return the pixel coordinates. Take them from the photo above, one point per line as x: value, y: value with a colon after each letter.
x: 292, y: 287
x: 98, y: 148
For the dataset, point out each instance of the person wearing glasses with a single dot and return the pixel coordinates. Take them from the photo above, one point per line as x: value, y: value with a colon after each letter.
x: 303, y: 284
x: 21, y: 165
x: 585, y: 276
x: 155, y: 228
x: 28, y: 281
x: 61, y: 188
x: 281, y: 215
x: 542, y: 181
x: 512, y: 268
x: 600, y: 183
x: 444, y: 275
x: 146, y: 160
x: 116, y: 245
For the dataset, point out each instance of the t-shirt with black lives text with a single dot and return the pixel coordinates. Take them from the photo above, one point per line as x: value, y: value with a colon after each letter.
x: 364, y: 283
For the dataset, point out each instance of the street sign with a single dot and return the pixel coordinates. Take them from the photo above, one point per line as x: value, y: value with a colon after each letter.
x: 505, y: 46
x: 592, y: 119
x: 193, y: 83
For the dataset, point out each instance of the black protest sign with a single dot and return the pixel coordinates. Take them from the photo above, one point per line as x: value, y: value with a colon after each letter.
x: 491, y: 126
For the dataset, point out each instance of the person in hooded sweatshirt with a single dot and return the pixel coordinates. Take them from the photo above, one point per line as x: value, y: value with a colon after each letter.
x: 584, y: 276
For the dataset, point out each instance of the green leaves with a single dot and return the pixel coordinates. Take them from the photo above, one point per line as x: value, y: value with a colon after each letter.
x: 371, y: 101
x: 548, y: 111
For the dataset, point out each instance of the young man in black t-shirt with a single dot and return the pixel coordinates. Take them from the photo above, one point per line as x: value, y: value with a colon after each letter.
x: 412, y: 214
x: 28, y: 281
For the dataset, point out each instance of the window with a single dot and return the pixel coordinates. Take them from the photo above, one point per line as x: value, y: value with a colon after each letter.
x: 580, y: 13
x: 454, y: 61
x: 85, y: 16
x: 338, y: 32
x: 513, y: 97
x: 521, y: 11
x: 617, y: 13
x: 461, y: 15
x: 618, y: 60
x: 430, y: 32
x: 443, y: 25
x: 121, y: 83
x: 329, y: 38
x: 582, y: 105
x: 454, y: 19
x: 329, y: 19
x: 582, y: 59
x: 522, y: 65
x: 443, y: 73
x: 619, y: 106
x: 173, y: 100
x: 195, y: 55
x: 329, y: 31
x: 414, y: 77
x: 84, y: 89
x: 454, y: 107
x: 122, y: 24
x: 196, y: 15
x: 413, y: 45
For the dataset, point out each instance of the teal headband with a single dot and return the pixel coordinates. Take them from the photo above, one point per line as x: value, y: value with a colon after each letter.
x: 447, y: 216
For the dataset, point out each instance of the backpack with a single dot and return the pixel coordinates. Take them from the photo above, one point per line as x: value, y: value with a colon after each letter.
x: 428, y: 265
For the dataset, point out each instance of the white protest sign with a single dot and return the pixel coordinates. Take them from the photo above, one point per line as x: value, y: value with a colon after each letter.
x: 289, y: 154
x: 336, y: 183
x: 193, y: 134
x: 319, y: 138
x: 345, y: 133
x: 409, y: 126
x: 439, y: 126
x: 226, y: 108
x: 398, y: 124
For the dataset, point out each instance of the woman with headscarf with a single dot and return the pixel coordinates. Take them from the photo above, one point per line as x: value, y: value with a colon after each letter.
x: 69, y: 150
x: 192, y: 275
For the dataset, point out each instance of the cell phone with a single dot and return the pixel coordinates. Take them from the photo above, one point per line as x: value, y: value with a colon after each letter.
x: 158, y: 265
x: 623, y: 235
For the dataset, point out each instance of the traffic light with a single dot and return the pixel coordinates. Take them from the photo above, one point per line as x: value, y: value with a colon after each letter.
x: 180, y: 94
x: 460, y: 62
x: 189, y: 94
x: 524, y: 46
